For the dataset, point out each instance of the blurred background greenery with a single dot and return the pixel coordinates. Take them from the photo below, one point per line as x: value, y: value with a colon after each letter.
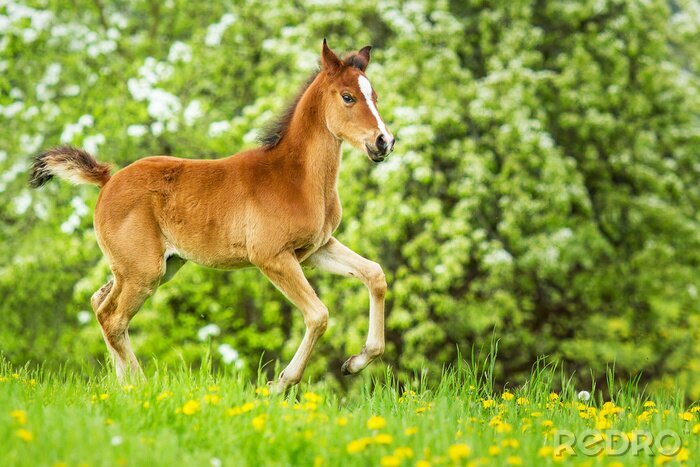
x: 544, y: 188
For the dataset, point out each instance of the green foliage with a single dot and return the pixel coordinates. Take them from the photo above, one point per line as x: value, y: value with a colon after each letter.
x: 544, y: 183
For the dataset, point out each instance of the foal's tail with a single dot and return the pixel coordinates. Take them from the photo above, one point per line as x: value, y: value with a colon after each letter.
x: 70, y: 163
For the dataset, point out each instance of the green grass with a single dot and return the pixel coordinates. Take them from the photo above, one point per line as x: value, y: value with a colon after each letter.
x: 181, y: 417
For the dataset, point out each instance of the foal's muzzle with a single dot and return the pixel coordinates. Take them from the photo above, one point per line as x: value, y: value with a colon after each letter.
x: 382, y: 148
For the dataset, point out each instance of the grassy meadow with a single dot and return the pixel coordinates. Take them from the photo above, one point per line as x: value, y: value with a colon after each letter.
x: 181, y: 417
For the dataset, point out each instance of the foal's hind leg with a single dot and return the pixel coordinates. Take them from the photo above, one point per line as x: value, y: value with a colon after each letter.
x: 114, y: 314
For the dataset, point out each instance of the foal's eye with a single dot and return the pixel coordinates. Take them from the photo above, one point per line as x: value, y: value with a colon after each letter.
x: 348, y: 99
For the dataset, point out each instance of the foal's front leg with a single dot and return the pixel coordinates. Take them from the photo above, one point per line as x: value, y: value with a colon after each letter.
x: 336, y: 258
x: 285, y: 272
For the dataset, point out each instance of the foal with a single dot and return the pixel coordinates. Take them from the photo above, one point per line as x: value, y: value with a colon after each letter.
x: 274, y: 207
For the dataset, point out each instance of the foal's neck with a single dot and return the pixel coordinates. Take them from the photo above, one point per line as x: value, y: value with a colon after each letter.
x: 309, y: 142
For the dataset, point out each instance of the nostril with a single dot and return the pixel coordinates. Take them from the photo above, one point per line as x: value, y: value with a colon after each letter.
x: 381, y: 143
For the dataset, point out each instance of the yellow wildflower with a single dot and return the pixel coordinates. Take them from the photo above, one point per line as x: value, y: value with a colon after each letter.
x: 212, y: 399
x: 514, y: 460
x: 128, y: 387
x: 696, y: 429
x: 423, y: 463
x: 488, y: 403
x: 390, y: 461
x: 649, y: 404
x: 191, y: 407
x: 312, y: 397
x: 146, y: 404
x: 342, y: 421
x: 553, y: 396
x: 376, y: 423
x: 259, y: 422
x: 25, y: 435
x: 545, y: 451
x: 247, y: 407
x: 686, y: 416
x: 20, y: 416
x: 403, y: 452
x: 507, y: 396
x: 522, y: 401
x: 510, y: 443
x: 458, y: 452
x: 695, y: 409
x: 357, y: 445
x: 104, y: 397
x: 535, y: 414
x: 547, y: 423
x: 262, y: 391
x: 383, y: 438
x: 164, y: 395
x: 410, y: 431
x: 494, y: 450
x: 683, y: 455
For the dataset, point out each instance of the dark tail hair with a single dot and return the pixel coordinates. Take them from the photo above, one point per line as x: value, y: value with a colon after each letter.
x: 69, y: 163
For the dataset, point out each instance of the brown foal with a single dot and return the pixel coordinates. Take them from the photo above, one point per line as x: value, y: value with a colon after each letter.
x: 274, y: 207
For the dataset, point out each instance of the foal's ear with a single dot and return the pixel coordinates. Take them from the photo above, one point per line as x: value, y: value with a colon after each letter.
x: 329, y: 60
x: 364, y: 53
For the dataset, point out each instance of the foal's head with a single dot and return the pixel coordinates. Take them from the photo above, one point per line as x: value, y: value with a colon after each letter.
x: 350, y: 104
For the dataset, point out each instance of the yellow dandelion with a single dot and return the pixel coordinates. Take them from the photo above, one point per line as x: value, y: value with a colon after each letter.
x: 247, y: 407
x: 20, y: 416
x: 212, y: 399
x: 376, y: 423
x: 390, y: 461
x: 686, y: 416
x: 488, y: 403
x: 109, y: 421
x: 458, y: 452
x: 358, y: 445
x: 510, y: 443
x: 545, y: 451
x: 342, y: 421
x: 146, y: 404
x: 649, y: 404
x: 213, y: 388
x: 263, y: 391
x: 423, y: 463
x: 683, y: 455
x: 129, y: 387
x: 383, y: 438
x: 259, y: 422
x: 547, y: 423
x: 514, y: 460
x: 522, y: 401
x: 553, y: 396
x: 410, y: 431
x: 191, y: 407
x: 25, y: 435
x: 164, y: 395
x: 312, y: 397
x: 494, y: 450
x: 104, y: 396
x: 695, y: 409
x: 403, y: 452
x: 535, y: 414
x: 507, y: 396
x: 696, y: 429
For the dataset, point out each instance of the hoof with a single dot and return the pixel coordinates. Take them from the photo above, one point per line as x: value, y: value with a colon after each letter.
x: 345, y: 369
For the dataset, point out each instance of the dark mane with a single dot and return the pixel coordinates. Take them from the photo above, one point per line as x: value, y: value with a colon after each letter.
x: 273, y: 132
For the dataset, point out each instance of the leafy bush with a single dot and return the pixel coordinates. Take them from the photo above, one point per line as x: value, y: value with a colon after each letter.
x: 544, y: 184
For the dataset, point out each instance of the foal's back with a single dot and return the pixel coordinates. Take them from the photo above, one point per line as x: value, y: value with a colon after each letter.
x: 201, y: 210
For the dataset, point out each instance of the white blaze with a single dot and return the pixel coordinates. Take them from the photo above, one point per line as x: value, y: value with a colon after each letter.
x: 366, y: 89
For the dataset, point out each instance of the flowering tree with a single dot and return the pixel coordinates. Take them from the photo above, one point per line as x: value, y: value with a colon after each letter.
x: 544, y: 186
